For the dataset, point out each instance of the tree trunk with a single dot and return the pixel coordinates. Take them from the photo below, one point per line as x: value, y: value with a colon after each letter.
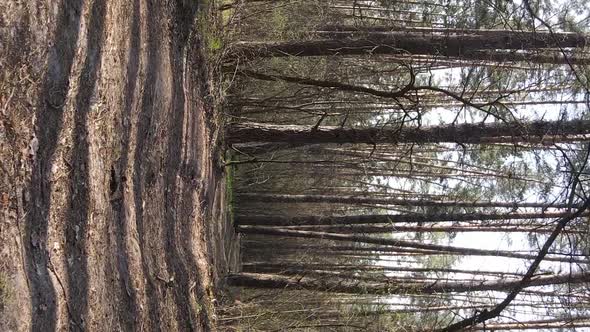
x: 372, y: 251
x: 397, y: 243
x: 495, y: 33
x: 335, y: 285
x: 412, y: 43
x: 380, y: 229
x: 278, y: 198
x: 265, y: 267
x: 389, y: 218
x: 490, y: 56
x: 465, y: 133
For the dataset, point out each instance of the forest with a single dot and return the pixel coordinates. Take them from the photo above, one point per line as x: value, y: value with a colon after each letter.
x: 295, y: 165
x: 402, y: 165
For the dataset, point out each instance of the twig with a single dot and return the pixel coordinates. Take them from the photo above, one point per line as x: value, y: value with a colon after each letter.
x: 63, y: 290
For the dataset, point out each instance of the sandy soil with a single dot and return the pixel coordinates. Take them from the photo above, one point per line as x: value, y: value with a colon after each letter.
x: 112, y: 206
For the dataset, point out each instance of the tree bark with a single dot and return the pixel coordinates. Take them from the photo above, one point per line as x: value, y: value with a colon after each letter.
x: 265, y: 267
x: 388, y: 218
x: 335, y: 285
x: 373, y: 251
x: 497, y: 33
x: 397, y: 243
x: 278, y: 198
x: 465, y: 133
x: 410, y: 42
x: 379, y: 229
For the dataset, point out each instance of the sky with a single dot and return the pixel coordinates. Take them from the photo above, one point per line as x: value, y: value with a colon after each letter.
x: 498, y: 241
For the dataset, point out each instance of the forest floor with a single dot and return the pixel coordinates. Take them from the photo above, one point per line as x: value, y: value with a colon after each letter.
x: 112, y: 191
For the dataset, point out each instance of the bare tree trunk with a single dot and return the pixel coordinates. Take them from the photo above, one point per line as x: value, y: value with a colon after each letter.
x: 397, y: 243
x: 278, y: 198
x: 379, y: 229
x: 336, y: 285
x: 410, y: 42
x: 465, y: 133
x: 494, y: 33
x: 389, y: 218
x: 264, y: 267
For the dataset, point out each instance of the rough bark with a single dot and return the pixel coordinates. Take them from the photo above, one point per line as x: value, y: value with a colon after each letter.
x: 336, y: 285
x: 278, y: 198
x: 388, y: 218
x: 498, y: 33
x: 373, y: 251
x: 409, y: 42
x: 465, y: 133
x: 397, y: 243
x: 265, y: 267
x: 377, y: 229
x: 503, y: 57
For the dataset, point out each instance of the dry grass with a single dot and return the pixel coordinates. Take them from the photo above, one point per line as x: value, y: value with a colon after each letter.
x: 5, y: 295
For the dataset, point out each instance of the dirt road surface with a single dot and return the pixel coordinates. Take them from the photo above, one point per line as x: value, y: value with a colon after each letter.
x: 111, y: 199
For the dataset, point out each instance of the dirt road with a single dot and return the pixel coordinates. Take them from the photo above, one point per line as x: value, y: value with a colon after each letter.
x: 111, y: 202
